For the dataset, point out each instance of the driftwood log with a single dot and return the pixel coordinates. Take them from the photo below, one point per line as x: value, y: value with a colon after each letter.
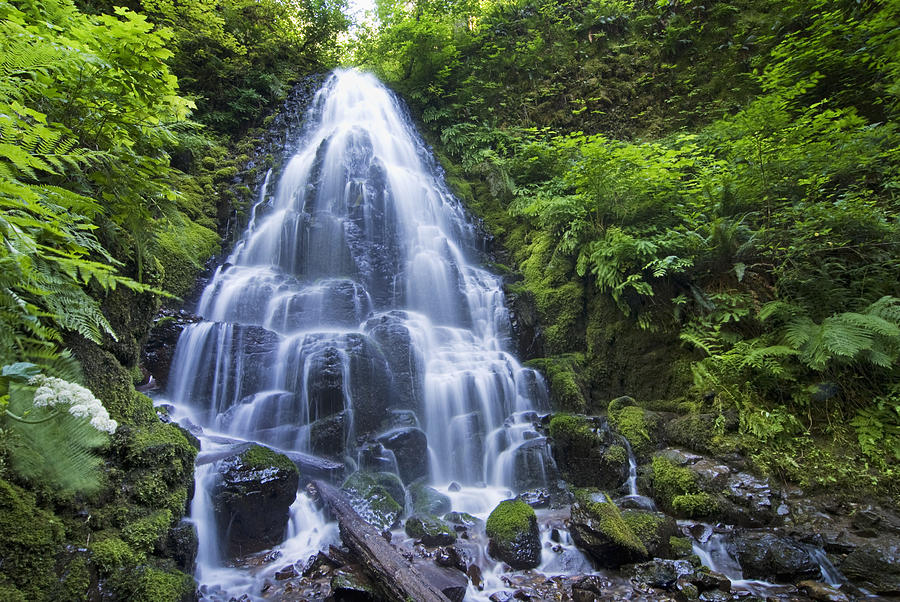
x: 396, y: 576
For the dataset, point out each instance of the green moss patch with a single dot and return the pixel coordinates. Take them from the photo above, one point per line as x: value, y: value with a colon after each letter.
x: 509, y: 519
x: 676, y: 489
x: 631, y: 423
x: 258, y: 457
x: 608, y: 520
x: 182, y: 249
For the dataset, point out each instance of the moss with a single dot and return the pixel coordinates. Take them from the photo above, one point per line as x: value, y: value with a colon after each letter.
x: 159, y: 464
x: 572, y: 431
x: 11, y: 594
x: 630, y: 422
x: 694, y: 504
x: 30, y: 537
x: 609, y: 521
x: 615, y: 454
x: 564, y: 380
x: 111, y: 554
x: 143, y: 534
x: 182, y: 249
x: 676, y: 489
x: 430, y: 529
x: 681, y: 547
x: 259, y: 457
x: 428, y: 500
x: 154, y: 585
x: 508, y: 519
x: 645, y: 525
x: 75, y: 581
x: 380, y: 508
x: 226, y: 173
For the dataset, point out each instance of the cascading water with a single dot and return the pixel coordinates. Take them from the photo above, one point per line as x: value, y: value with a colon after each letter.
x: 353, y: 305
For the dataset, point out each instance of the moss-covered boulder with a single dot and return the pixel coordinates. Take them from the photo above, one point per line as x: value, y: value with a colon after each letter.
x: 642, y: 428
x: 430, y: 530
x: 654, y: 529
x: 676, y: 489
x: 376, y: 495
x: 588, y: 454
x: 428, y: 500
x: 252, y: 497
x: 514, y: 536
x: 598, y: 528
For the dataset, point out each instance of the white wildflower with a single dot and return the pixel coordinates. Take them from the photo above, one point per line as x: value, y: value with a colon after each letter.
x: 53, y: 392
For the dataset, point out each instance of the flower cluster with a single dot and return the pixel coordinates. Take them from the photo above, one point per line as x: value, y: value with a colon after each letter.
x: 53, y: 392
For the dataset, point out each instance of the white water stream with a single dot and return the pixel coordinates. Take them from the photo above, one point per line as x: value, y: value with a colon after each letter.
x: 355, y: 298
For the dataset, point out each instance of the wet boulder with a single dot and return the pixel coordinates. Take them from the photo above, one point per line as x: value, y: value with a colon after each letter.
x: 514, y: 536
x: 876, y: 567
x: 410, y: 448
x: 377, y: 497
x: 588, y: 455
x: 428, y: 500
x: 252, y: 497
x: 391, y: 332
x: 328, y: 436
x: 533, y: 465
x: 598, y: 528
x: 661, y: 573
x: 764, y: 555
x: 430, y: 530
x: 654, y: 529
x: 822, y: 591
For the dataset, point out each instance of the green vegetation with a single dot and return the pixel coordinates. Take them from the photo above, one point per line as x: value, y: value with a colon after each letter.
x: 258, y: 457
x: 700, y: 199
x: 675, y: 488
x: 610, y: 521
x: 509, y: 519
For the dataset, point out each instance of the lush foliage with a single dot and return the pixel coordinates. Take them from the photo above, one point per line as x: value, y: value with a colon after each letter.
x: 726, y: 173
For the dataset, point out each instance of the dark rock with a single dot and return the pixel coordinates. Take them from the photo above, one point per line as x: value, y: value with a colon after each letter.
x: 428, y: 500
x: 328, y: 436
x: 314, y: 467
x: 705, y: 579
x: 410, y: 448
x: 475, y: 576
x: 287, y: 572
x: 660, y: 573
x: 514, y: 536
x: 654, y: 529
x: 407, y: 366
x: 589, y: 588
x: 822, y: 591
x: 773, y: 557
x: 181, y: 544
x: 449, y: 556
x: 534, y: 467
x: 463, y: 521
x: 350, y: 584
x: 376, y: 496
x: 454, y: 486
x: 251, y: 499
x: 158, y: 351
x: 430, y: 530
x: 501, y: 596
x: 588, y: 454
x: 874, y: 567
x: 452, y: 582
x: 599, y: 529
x: 536, y: 498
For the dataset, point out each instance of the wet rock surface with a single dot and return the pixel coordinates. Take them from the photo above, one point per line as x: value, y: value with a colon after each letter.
x: 514, y: 536
x: 251, y: 499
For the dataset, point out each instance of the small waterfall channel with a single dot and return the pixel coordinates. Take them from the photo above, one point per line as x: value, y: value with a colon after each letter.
x: 353, y: 315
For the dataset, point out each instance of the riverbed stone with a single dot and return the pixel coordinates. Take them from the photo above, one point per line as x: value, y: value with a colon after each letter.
x: 587, y: 452
x: 410, y: 448
x: 773, y: 557
x: 428, y: 500
x: 598, y: 528
x: 875, y: 567
x: 252, y: 497
x: 430, y: 530
x: 514, y: 536
x: 376, y: 497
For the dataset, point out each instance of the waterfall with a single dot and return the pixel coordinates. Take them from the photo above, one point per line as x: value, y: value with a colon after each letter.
x: 354, y: 303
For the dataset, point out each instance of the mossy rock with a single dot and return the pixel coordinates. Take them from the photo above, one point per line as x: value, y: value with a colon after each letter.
x: 681, y: 547
x: 30, y: 539
x: 376, y: 505
x: 587, y: 456
x: 642, y: 428
x: 565, y: 380
x: 676, y: 490
x: 428, y: 500
x: 600, y: 529
x: 464, y: 519
x: 653, y: 529
x: 514, y: 536
x: 430, y: 530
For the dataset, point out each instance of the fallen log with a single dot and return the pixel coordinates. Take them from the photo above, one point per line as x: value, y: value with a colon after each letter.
x: 394, y: 575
